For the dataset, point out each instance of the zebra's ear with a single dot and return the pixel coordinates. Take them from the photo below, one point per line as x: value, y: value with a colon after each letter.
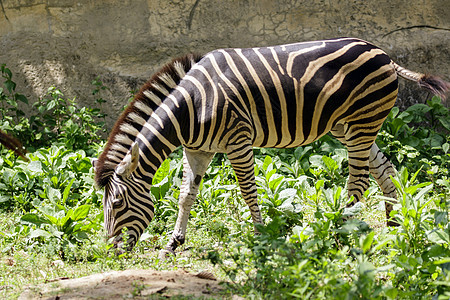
x: 129, y: 162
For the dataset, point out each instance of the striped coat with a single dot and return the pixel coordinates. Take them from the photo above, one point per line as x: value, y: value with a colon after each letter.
x: 232, y: 100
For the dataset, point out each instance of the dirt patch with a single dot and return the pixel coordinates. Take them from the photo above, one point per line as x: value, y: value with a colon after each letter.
x: 137, y: 284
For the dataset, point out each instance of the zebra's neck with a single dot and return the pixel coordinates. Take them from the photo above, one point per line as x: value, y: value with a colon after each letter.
x: 150, y: 121
x: 157, y: 135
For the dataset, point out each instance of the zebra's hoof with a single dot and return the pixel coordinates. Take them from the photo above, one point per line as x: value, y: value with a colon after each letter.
x: 165, y: 253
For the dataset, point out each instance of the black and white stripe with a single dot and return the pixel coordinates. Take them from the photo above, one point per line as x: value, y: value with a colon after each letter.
x: 231, y: 100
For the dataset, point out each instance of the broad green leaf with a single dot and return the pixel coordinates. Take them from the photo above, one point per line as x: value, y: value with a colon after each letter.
x: 437, y: 141
x: 446, y: 146
x: 319, y: 184
x: 67, y: 191
x: 22, y: 98
x: 8, y: 72
x: 270, y: 173
x: 35, y: 167
x: 287, y: 206
x: 55, y: 232
x: 81, y: 212
x: 267, y: 162
x: 391, y: 292
x: 52, y: 219
x: 330, y: 163
x: 162, y: 172
x: 438, y: 236
x: 394, y: 111
x: 445, y: 122
x: 4, y: 198
x: 80, y: 236
x: 366, y: 268
x: 275, y: 180
x: 287, y: 193
x: 63, y: 222
x: 53, y: 194
x: 39, y: 233
x: 10, y: 85
x: 367, y: 243
x: 316, y: 161
x: 31, y: 218
x: 427, y: 187
x: 412, y: 212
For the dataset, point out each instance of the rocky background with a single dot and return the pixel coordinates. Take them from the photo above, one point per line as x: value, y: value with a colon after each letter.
x: 70, y: 43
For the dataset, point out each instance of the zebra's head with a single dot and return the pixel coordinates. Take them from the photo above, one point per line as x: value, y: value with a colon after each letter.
x: 127, y: 207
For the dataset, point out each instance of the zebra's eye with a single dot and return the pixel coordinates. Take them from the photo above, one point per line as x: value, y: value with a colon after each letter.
x: 117, y: 203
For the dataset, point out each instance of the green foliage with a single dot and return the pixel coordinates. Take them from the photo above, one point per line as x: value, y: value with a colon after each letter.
x: 307, y: 251
x: 61, y: 176
x: 59, y: 119
x: 11, y: 106
x: 54, y: 191
x: 53, y: 118
x: 51, y: 210
x: 418, y: 134
x: 326, y: 259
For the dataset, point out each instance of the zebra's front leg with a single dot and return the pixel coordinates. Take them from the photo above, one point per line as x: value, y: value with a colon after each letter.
x: 243, y: 165
x: 195, y: 164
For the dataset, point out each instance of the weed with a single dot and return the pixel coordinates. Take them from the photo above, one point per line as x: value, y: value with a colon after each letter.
x: 52, y: 212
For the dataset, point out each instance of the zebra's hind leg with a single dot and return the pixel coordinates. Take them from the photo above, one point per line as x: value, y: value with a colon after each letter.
x: 195, y: 164
x: 358, y: 180
x: 361, y: 163
x: 381, y: 169
x: 242, y: 162
x: 358, y: 161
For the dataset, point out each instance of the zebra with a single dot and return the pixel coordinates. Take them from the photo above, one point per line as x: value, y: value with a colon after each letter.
x: 231, y: 100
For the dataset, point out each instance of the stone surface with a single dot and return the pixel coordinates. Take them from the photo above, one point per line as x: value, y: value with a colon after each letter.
x: 70, y: 43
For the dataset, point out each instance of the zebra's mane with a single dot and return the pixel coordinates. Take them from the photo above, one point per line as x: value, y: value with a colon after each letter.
x: 152, y: 93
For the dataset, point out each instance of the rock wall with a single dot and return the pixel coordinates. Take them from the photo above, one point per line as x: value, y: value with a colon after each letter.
x: 69, y: 43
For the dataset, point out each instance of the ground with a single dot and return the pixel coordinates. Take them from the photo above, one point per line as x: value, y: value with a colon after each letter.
x: 137, y: 284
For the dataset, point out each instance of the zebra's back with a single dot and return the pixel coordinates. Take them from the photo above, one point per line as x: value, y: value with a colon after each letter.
x: 288, y: 95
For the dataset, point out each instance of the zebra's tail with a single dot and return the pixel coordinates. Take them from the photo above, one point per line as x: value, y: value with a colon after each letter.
x: 434, y: 84
x: 12, y: 144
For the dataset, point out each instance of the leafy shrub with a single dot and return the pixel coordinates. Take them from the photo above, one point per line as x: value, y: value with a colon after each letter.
x: 55, y: 191
x: 326, y: 259
x: 305, y: 250
x: 418, y: 136
x: 11, y: 114
x: 53, y: 118
x: 60, y: 119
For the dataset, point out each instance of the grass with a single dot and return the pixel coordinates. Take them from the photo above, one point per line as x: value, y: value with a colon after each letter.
x: 29, y: 268
x: 52, y: 217
x: 220, y: 237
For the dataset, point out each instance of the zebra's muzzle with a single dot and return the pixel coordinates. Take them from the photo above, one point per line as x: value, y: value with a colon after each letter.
x: 120, y: 246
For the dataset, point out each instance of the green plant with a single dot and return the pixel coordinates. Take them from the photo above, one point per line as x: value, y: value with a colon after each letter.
x: 51, y: 212
x: 418, y: 136
x: 60, y: 119
x: 11, y: 114
x: 67, y: 227
x: 53, y: 118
